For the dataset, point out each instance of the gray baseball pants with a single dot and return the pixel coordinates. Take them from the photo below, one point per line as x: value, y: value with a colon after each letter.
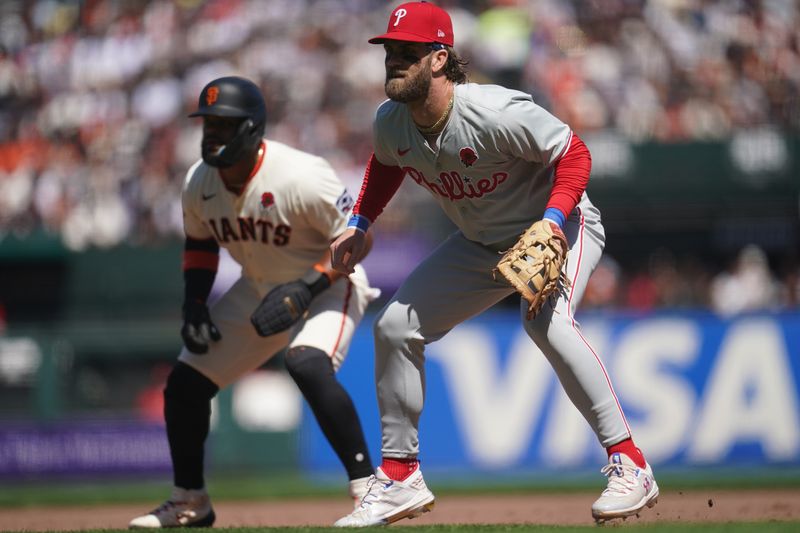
x: 454, y: 284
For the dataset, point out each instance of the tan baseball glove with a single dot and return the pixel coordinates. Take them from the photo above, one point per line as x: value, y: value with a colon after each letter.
x: 535, y: 265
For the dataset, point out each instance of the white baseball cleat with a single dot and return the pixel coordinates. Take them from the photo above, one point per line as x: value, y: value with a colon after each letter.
x: 185, y: 508
x: 358, y: 489
x: 389, y: 500
x: 630, y: 489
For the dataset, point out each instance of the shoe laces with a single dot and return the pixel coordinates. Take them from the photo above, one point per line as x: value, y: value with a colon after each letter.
x: 167, y: 506
x: 181, y: 509
x: 372, y: 495
x: 621, y: 479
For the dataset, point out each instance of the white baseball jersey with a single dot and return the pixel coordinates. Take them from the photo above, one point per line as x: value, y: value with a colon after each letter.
x: 491, y: 171
x: 281, y: 224
x: 277, y: 229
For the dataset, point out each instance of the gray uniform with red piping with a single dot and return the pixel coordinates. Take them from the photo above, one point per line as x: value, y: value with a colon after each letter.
x: 492, y: 173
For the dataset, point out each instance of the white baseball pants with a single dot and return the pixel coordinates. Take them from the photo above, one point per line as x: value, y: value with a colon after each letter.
x: 332, y: 319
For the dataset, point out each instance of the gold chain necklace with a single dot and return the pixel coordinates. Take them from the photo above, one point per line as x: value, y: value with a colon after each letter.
x: 439, y: 123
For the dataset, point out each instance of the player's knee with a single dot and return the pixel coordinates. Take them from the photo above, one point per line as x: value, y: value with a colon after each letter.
x: 391, y: 327
x: 549, y: 333
x: 307, y: 365
x: 537, y: 330
x: 187, y: 384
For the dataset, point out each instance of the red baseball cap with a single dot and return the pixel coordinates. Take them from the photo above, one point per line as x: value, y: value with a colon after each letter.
x: 418, y: 22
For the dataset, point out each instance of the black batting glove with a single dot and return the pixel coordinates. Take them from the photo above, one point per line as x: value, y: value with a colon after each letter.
x: 285, y: 305
x: 198, y: 330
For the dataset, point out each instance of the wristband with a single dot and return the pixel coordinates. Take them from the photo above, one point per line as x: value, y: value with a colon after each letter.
x: 554, y: 214
x: 321, y: 283
x: 360, y: 222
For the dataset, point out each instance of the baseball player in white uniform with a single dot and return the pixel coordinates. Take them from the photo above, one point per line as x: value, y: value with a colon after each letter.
x: 276, y: 210
x: 495, y: 162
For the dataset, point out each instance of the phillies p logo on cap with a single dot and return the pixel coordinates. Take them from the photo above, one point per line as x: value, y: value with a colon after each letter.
x: 398, y: 14
x: 418, y: 22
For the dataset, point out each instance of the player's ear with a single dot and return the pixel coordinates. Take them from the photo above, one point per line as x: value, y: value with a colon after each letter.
x: 439, y: 60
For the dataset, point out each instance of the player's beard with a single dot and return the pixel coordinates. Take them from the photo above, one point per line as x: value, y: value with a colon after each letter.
x: 410, y: 88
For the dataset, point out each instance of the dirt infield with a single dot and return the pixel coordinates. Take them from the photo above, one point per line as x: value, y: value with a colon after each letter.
x: 555, y: 509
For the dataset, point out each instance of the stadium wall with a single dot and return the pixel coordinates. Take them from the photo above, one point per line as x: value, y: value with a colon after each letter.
x: 699, y: 392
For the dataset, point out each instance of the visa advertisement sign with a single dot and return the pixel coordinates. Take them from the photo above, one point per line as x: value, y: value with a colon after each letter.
x: 697, y: 390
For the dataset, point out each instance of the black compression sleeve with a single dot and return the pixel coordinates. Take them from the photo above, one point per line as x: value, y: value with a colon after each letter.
x: 199, y: 270
x: 197, y: 283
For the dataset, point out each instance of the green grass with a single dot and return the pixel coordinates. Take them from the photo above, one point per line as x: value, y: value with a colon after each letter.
x: 748, y: 527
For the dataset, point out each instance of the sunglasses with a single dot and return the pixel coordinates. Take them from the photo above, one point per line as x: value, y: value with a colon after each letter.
x: 410, y: 57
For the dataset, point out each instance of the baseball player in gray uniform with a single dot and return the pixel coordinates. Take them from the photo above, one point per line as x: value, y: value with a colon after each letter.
x: 276, y: 210
x: 495, y: 162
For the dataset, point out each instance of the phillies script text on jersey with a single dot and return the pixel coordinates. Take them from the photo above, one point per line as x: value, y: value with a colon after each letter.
x: 455, y: 187
x: 250, y: 230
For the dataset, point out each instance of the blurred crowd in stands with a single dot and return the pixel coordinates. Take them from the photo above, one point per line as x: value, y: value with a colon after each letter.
x: 94, y: 139
x: 746, y: 285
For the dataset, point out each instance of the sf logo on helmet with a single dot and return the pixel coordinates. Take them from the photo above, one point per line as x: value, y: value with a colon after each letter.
x: 211, y: 95
x: 400, y: 13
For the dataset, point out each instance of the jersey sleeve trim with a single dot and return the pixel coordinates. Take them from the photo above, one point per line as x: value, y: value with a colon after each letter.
x: 200, y: 253
x: 204, y: 260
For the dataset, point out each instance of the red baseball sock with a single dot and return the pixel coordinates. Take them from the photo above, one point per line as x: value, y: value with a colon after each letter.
x: 399, y: 469
x: 628, y: 448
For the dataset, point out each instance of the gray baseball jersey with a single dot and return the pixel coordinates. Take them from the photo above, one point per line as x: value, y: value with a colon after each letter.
x: 278, y: 228
x: 491, y: 172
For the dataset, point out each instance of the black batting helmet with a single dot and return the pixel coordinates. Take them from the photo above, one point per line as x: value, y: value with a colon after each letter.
x: 233, y: 96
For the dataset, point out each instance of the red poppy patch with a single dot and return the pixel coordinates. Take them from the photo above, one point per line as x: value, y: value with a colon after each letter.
x: 267, y: 200
x: 468, y: 156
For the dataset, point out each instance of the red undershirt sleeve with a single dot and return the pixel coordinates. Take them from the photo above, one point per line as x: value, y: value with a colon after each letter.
x: 379, y: 186
x: 570, y: 176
